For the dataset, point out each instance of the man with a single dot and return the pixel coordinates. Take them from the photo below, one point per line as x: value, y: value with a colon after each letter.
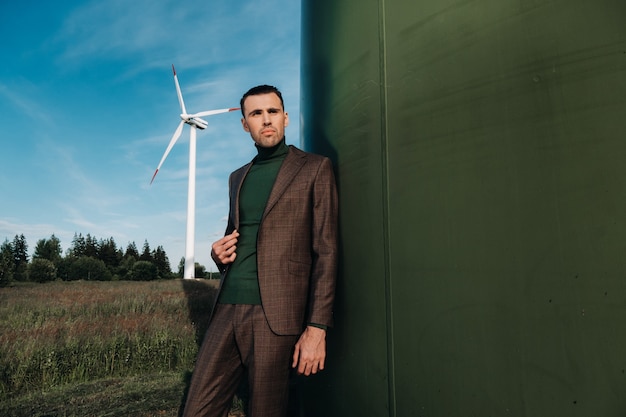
x: 278, y: 261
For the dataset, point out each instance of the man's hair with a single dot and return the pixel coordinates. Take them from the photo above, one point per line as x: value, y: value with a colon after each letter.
x: 258, y: 90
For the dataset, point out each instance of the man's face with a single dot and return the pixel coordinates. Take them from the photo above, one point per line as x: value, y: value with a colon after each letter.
x: 265, y: 119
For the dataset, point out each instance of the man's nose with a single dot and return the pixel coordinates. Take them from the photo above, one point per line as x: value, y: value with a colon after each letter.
x: 266, y: 118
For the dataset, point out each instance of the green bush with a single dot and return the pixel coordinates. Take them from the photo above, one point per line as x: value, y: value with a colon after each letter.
x: 42, y: 270
x: 143, y: 271
x: 89, y: 269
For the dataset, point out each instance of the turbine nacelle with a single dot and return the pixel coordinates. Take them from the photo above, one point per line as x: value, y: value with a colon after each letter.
x: 192, y: 120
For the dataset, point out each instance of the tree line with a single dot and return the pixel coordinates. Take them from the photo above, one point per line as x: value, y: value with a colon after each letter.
x: 88, y: 258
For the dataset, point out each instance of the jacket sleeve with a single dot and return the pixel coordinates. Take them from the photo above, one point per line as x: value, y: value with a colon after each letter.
x: 324, y: 247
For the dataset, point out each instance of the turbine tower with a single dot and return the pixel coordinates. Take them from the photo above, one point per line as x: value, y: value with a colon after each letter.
x: 195, y: 122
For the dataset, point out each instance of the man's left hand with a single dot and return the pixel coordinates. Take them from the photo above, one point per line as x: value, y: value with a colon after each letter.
x: 310, y: 351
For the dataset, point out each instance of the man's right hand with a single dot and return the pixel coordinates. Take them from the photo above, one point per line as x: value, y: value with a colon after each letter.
x: 223, y: 250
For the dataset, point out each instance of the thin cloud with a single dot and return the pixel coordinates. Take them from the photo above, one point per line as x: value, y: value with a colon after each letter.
x: 194, y: 35
x: 117, y: 29
x: 23, y: 98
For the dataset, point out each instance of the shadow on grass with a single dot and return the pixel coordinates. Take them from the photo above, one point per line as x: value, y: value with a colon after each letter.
x: 200, y: 295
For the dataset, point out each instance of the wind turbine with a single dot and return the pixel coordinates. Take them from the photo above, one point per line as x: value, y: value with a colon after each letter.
x: 194, y: 120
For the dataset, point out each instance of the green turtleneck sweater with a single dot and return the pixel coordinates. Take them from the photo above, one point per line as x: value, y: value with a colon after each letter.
x: 241, y: 285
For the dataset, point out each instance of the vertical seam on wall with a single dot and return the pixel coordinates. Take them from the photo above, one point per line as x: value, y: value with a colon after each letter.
x: 385, y: 206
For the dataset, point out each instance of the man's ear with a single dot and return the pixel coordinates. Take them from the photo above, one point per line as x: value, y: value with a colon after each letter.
x: 245, y: 125
x: 286, y: 119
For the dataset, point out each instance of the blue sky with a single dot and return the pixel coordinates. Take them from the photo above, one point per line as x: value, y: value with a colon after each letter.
x: 88, y: 106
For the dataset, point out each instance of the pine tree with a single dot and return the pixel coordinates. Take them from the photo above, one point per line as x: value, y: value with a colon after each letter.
x: 109, y: 254
x: 162, y: 263
x: 20, y: 257
x: 131, y: 251
x: 92, y: 248
x: 78, y: 246
x: 146, y: 255
x: 6, y: 263
x: 49, y: 249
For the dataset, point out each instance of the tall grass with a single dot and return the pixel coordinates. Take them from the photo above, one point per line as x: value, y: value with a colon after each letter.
x: 74, y: 332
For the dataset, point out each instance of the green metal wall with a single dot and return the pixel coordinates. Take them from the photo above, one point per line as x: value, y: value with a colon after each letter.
x: 480, y: 150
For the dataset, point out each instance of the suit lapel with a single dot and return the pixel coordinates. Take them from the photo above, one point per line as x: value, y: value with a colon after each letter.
x: 236, y: 183
x: 291, y: 166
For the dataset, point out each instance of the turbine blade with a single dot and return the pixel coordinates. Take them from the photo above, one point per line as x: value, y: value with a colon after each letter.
x: 177, y: 133
x: 212, y: 112
x: 180, y: 95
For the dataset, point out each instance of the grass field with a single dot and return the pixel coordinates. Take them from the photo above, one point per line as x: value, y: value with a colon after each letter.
x: 100, y: 348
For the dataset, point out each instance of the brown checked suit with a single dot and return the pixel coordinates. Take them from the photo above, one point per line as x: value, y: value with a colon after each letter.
x: 296, y: 267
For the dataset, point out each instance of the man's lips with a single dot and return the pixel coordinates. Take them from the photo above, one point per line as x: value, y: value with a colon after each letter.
x: 268, y: 131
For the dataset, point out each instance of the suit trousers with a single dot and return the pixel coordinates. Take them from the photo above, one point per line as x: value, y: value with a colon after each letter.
x: 239, y: 339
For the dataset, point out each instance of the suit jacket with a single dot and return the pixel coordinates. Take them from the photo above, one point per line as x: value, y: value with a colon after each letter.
x: 296, y: 243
